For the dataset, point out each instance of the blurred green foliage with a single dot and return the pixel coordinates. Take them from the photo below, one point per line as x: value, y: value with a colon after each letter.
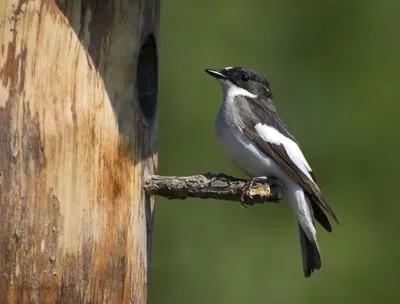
x: 334, y: 70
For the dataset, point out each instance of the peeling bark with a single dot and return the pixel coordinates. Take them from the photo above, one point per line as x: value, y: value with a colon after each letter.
x: 75, y: 224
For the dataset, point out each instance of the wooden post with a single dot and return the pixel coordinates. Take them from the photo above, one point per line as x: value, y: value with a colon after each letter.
x: 78, y: 127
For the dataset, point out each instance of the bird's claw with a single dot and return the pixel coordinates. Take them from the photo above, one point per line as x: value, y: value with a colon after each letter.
x: 227, y: 178
x: 247, y: 187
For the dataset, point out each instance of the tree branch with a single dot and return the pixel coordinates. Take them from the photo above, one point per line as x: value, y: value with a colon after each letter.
x: 216, y: 186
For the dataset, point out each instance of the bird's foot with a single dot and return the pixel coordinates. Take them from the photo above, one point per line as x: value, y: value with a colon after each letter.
x: 227, y: 178
x: 247, y: 186
x: 274, y: 182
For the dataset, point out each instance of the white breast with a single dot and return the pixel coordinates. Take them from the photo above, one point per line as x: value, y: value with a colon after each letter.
x: 242, y: 151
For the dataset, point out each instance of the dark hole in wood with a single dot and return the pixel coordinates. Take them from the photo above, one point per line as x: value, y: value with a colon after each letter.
x: 147, y: 77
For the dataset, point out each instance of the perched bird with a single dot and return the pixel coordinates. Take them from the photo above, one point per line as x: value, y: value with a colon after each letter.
x: 254, y: 136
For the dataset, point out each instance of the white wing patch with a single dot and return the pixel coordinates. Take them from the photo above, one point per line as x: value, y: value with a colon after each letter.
x: 273, y: 136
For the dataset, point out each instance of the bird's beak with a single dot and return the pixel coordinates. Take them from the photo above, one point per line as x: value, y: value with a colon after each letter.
x: 216, y: 73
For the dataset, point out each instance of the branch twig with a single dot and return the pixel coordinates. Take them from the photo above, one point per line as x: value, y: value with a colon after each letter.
x: 216, y: 186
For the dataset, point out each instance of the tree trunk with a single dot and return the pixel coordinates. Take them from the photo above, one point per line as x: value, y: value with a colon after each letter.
x: 78, y: 126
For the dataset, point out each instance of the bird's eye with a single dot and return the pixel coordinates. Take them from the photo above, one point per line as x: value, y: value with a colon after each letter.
x: 244, y: 78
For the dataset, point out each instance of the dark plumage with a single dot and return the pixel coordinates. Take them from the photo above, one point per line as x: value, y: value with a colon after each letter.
x: 257, y: 140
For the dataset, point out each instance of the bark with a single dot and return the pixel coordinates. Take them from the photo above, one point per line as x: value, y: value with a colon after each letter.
x: 78, y: 125
x: 214, y: 186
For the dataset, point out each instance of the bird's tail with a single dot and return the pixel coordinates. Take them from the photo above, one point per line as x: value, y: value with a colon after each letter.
x: 303, y: 212
x: 310, y: 253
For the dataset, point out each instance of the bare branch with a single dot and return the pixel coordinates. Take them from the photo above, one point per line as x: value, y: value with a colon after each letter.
x: 216, y: 186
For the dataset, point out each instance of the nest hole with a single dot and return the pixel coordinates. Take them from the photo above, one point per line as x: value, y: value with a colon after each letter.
x: 147, y: 77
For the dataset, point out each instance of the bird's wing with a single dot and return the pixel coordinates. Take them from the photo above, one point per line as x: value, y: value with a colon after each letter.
x: 289, y: 156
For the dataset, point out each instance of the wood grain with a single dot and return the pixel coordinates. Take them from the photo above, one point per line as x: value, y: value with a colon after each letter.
x: 74, y: 148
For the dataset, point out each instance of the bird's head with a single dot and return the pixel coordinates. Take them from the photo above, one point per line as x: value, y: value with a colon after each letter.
x: 249, y: 82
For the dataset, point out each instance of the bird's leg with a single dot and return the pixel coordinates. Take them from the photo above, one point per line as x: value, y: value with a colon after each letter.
x: 248, y: 185
x: 274, y: 182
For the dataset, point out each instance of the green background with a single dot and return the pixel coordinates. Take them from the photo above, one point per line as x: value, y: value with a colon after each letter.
x: 334, y: 70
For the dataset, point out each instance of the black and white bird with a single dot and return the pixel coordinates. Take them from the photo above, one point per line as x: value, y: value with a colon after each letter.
x: 254, y: 136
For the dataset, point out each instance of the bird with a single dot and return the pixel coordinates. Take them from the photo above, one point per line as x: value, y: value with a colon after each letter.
x: 259, y: 143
